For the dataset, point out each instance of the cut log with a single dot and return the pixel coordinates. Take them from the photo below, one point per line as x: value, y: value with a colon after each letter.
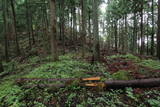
x: 142, y: 83
x: 108, y: 84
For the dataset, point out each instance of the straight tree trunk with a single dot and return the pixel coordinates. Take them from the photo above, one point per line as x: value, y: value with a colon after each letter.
x: 5, y: 30
x: 53, y: 30
x: 158, y: 34
x: 148, y: 33
x: 96, y: 51
x: 135, y: 34
x: 89, y: 26
x: 152, y: 36
x: 83, y: 4
x: 116, y: 38
x: 14, y: 27
x: 126, y: 34
x: 63, y: 25
x: 1, y: 67
x: 142, y: 33
x: 32, y: 32
x: 28, y: 23
x: 74, y: 24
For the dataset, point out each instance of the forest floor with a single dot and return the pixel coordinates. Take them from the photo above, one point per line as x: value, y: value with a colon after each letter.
x: 112, y: 67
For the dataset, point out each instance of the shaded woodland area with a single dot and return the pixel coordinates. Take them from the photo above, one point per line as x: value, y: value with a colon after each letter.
x: 72, y: 53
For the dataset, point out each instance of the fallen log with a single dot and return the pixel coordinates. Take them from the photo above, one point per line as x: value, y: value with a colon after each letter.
x: 141, y: 83
x: 108, y: 84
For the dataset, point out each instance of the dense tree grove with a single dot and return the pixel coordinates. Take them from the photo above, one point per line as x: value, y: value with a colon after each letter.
x: 79, y: 53
x: 128, y: 26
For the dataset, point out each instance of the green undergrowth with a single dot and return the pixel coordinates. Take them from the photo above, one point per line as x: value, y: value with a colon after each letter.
x: 154, y: 64
x: 150, y: 63
x: 12, y: 95
x: 126, y: 56
x: 66, y: 67
x: 121, y: 75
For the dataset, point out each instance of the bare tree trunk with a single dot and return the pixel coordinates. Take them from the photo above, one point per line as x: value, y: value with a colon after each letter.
x: 116, y: 37
x: 74, y: 24
x: 15, y: 29
x: 53, y: 30
x: 5, y: 30
x: 158, y: 34
x: 1, y: 67
x: 142, y: 33
x: 32, y: 32
x: 83, y: 4
x: 148, y: 33
x: 96, y: 51
x: 63, y: 26
x: 152, y: 36
x: 135, y: 34
x: 28, y: 23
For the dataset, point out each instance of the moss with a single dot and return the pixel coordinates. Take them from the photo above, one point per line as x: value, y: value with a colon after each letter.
x: 121, y: 75
x: 127, y: 56
x: 154, y: 64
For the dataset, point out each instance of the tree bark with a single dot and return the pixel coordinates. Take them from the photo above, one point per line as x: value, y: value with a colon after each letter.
x: 116, y: 37
x: 135, y: 34
x: 15, y: 29
x: 142, y: 33
x: 1, y: 67
x: 96, y: 51
x: 158, y: 34
x: 143, y: 83
x: 53, y: 33
x: 83, y: 4
x: 28, y: 23
x: 152, y: 36
x: 63, y: 26
x: 5, y: 30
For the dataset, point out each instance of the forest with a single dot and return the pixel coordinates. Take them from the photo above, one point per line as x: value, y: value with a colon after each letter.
x: 79, y: 53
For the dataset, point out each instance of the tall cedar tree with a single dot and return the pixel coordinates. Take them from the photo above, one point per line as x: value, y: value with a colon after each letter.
x: 15, y: 27
x: 1, y: 67
x: 158, y: 34
x: 96, y: 51
x: 53, y: 30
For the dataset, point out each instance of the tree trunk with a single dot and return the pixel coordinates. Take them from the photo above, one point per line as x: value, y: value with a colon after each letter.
x: 53, y: 30
x: 135, y: 34
x: 126, y: 34
x: 89, y: 26
x: 1, y: 67
x: 108, y: 84
x: 63, y: 26
x: 158, y: 34
x: 14, y: 28
x: 28, y: 23
x: 32, y: 32
x: 142, y: 33
x: 148, y: 34
x: 152, y: 36
x: 96, y: 51
x: 83, y: 4
x: 144, y: 83
x: 116, y: 38
x: 5, y: 30
x: 74, y: 24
